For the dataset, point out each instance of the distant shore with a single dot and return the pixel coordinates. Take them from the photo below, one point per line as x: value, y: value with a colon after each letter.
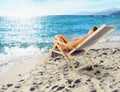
x: 57, y: 76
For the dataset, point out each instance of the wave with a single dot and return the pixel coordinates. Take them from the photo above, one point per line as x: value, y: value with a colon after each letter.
x: 14, y: 55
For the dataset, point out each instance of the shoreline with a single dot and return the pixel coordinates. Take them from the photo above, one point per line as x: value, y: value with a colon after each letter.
x: 16, y: 71
x: 58, y: 76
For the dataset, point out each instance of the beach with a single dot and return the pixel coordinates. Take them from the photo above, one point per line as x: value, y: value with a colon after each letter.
x: 58, y: 76
x: 25, y: 43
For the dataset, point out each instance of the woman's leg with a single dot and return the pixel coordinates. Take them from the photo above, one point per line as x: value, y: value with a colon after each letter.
x: 74, y: 43
x: 64, y: 39
x: 60, y: 38
x: 70, y: 44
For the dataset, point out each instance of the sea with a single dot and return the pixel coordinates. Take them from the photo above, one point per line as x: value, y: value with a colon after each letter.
x: 25, y: 37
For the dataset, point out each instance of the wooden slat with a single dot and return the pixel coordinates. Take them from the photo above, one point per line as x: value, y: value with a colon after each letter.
x: 57, y: 51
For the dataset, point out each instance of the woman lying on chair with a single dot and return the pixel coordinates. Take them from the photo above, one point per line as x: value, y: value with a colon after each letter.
x: 71, y: 44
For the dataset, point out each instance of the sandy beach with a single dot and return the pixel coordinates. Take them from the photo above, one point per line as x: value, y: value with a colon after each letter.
x: 57, y: 76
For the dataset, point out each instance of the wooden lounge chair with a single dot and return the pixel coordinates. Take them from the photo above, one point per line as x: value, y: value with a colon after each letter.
x: 84, y: 45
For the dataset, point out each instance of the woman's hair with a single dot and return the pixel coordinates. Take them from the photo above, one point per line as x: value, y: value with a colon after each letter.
x: 95, y: 28
x: 92, y: 30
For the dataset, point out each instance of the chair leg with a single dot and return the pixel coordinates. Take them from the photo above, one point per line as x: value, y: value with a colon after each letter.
x: 90, y: 60
x: 64, y: 55
x: 47, y: 58
x: 54, y: 55
x: 67, y: 59
x: 85, y: 54
x: 70, y: 63
x: 50, y: 53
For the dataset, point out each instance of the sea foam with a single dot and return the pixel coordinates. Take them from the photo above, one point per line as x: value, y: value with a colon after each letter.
x: 16, y: 55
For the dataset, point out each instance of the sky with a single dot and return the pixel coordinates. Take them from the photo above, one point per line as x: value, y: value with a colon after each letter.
x: 53, y: 7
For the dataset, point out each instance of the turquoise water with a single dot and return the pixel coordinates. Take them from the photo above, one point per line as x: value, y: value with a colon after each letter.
x: 25, y: 37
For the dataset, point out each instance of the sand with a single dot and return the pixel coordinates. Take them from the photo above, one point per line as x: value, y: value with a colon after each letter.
x: 16, y: 71
x: 57, y: 76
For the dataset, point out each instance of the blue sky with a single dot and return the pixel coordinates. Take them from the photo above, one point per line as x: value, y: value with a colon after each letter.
x: 53, y: 7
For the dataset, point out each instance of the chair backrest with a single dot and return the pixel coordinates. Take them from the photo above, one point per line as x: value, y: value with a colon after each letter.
x: 94, y: 37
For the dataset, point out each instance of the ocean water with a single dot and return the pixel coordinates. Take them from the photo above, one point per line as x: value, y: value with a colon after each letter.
x: 22, y: 38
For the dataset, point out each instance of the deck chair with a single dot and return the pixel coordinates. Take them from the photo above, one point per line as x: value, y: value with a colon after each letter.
x: 85, y: 45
